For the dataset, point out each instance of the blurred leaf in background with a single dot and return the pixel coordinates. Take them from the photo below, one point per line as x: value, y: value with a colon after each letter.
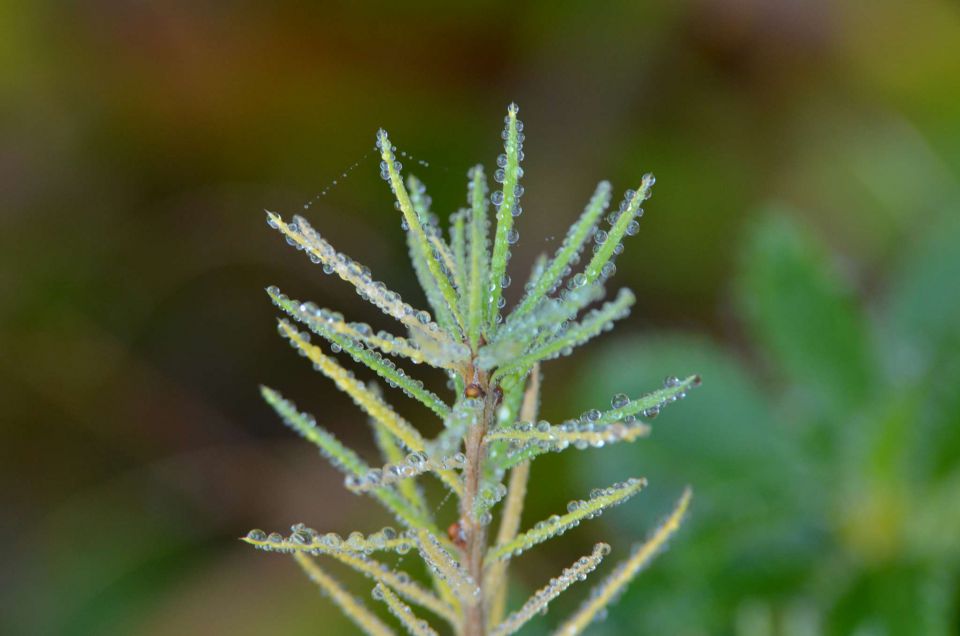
x: 829, y: 485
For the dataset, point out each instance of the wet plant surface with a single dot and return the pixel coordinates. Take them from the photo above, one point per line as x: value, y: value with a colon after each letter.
x: 491, y: 432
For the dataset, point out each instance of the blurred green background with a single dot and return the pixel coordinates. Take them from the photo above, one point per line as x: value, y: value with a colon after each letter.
x: 801, y: 253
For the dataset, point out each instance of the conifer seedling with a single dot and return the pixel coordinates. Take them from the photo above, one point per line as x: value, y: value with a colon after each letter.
x: 491, y: 432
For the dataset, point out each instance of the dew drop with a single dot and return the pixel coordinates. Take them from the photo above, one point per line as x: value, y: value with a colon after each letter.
x: 619, y: 400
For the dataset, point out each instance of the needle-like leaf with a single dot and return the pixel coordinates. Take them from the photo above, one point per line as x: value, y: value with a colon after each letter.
x: 607, y: 591
x: 537, y: 604
x: 479, y: 254
x: 594, y: 323
x: 301, y: 235
x: 609, y: 245
x: 347, y: 461
x: 390, y: 171
x: 548, y: 281
x: 439, y: 560
x: 308, y: 541
x: 414, y: 626
x: 600, y: 500
x: 507, y: 202
x: 350, y: 605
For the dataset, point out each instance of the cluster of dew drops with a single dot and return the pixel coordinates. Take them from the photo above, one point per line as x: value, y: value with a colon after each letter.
x: 598, y: 493
x: 600, y: 236
x: 497, y: 198
x: 429, y: 224
x: 446, y: 567
x: 417, y: 384
x: 301, y: 535
x: 416, y: 463
x: 374, y: 291
x: 556, y: 525
x: 318, y: 317
x: 539, y: 602
x: 403, y: 611
x: 490, y: 495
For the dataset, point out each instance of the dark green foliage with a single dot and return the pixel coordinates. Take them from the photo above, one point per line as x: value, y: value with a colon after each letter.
x: 828, y: 467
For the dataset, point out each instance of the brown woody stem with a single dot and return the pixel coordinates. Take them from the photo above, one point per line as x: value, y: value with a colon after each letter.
x: 473, y: 530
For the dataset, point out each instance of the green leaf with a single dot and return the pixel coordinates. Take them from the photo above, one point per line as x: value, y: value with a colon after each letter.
x: 593, y: 429
x: 458, y: 243
x: 729, y: 427
x: 348, y: 604
x: 600, y: 499
x: 414, y: 625
x: 546, y: 437
x: 384, y: 368
x: 392, y: 175
x: 367, y: 399
x: 421, y: 206
x: 611, y: 587
x: 479, y: 253
x: 392, y: 451
x: 594, y: 323
x: 301, y: 235
x: 600, y: 266
x: 342, y: 458
x: 446, y: 566
x: 538, y: 603
x: 923, y: 308
x: 537, y: 326
x: 348, y: 335
x: 397, y: 580
x: 506, y: 206
x: 465, y: 414
x: 414, y: 465
x: 420, y: 202
x: 309, y: 541
x: 552, y: 274
x: 805, y: 316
